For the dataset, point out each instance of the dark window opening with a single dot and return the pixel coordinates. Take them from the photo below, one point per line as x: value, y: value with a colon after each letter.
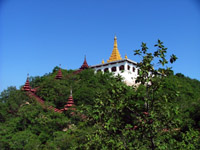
x: 106, y: 70
x: 121, y: 67
x: 128, y: 67
x: 133, y: 69
x: 113, y: 69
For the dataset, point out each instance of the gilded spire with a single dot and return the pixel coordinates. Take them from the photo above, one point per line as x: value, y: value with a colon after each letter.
x: 126, y: 56
x: 115, y: 53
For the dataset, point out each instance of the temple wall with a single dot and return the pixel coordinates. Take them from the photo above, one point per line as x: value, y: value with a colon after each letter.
x: 127, y: 70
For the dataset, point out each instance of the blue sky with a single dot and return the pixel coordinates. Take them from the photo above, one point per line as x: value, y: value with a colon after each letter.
x: 37, y: 35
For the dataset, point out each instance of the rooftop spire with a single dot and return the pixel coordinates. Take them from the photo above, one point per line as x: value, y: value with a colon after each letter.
x: 115, y: 53
x: 27, y: 85
x: 85, y: 64
x: 59, y: 74
x: 71, y: 92
x: 126, y: 57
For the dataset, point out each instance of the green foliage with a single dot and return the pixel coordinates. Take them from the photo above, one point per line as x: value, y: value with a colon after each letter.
x: 88, y: 85
x: 31, y: 127
x: 10, y: 101
x: 24, y: 140
x: 161, y: 113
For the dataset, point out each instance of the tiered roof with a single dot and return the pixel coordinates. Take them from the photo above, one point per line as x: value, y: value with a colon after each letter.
x: 84, y: 65
x: 70, y: 102
x: 59, y: 74
x: 27, y: 85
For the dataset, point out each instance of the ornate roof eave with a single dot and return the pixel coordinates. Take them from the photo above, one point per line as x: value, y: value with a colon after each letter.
x: 114, y: 62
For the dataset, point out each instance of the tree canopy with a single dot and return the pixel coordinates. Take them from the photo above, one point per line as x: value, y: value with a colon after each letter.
x: 163, y: 112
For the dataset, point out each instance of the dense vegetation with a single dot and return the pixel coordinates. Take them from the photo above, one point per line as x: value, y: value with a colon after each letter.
x: 162, y: 113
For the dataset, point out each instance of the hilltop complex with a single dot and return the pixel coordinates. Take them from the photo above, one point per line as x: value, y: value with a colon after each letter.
x: 126, y: 68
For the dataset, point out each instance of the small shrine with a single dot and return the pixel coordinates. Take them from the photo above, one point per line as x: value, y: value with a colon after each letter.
x: 59, y: 74
x: 84, y: 65
x: 27, y: 87
x: 70, y: 102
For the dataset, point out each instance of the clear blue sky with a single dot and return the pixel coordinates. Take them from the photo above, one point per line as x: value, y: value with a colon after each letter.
x: 37, y: 35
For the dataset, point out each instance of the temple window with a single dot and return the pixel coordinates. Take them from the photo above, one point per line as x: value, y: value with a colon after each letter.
x: 138, y: 71
x: 113, y: 69
x: 106, y: 70
x: 121, y: 67
x: 128, y: 67
x: 133, y: 69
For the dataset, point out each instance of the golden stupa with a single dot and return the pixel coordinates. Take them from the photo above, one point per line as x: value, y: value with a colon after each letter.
x: 115, y: 53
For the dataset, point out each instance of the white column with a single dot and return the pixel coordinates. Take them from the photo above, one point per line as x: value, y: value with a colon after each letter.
x: 109, y: 68
x: 125, y: 66
x: 117, y: 67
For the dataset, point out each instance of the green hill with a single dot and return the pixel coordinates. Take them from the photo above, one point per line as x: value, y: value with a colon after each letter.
x: 161, y: 113
x: 111, y: 107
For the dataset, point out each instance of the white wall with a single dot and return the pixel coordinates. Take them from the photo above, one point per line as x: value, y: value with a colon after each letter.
x: 128, y: 75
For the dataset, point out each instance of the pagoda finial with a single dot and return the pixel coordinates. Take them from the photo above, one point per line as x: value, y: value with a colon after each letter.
x: 115, y: 37
x: 71, y: 92
x: 102, y: 61
x: 115, y: 53
x: 115, y: 41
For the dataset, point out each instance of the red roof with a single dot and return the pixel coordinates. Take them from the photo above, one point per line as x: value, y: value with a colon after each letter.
x: 59, y: 74
x: 84, y: 65
x: 27, y: 85
x: 70, y: 103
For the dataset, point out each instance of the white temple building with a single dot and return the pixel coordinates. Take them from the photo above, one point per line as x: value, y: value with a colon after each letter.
x: 124, y: 67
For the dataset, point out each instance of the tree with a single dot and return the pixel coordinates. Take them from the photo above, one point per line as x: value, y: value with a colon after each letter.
x: 141, y: 118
